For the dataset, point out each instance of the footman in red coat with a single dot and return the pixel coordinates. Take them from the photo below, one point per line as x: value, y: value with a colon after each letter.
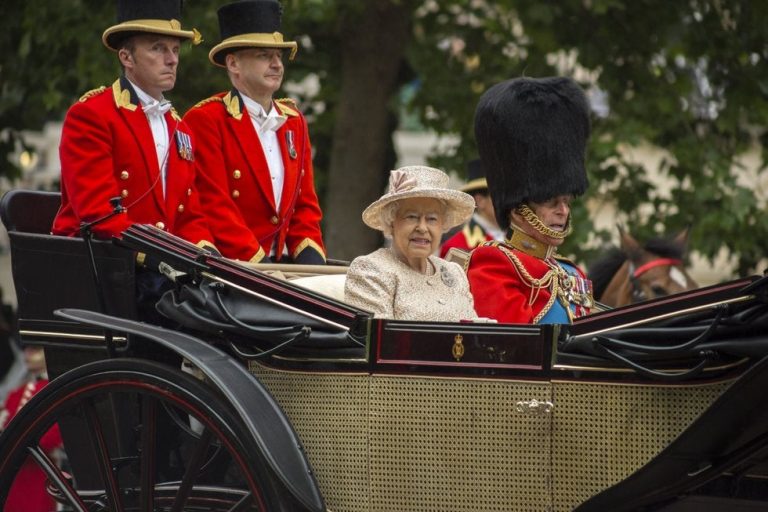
x: 126, y: 141
x: 253, y: 153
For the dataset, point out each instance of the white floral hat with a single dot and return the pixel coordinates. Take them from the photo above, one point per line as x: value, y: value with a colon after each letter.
x: 420, y: 181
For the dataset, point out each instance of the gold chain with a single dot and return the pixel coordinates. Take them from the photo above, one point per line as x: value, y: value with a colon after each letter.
x: 548, y: 280
x: 539, y: 226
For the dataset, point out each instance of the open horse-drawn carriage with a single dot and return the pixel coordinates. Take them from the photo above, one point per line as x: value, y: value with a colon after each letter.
x: 252, y: 392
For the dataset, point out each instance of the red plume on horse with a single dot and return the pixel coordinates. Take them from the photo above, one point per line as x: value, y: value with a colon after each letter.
x: 634, y: 272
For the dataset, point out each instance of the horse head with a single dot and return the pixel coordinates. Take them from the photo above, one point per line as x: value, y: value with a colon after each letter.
x: 641, y: 272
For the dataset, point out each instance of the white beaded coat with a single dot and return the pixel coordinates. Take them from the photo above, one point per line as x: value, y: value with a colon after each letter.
x: 379, y: 282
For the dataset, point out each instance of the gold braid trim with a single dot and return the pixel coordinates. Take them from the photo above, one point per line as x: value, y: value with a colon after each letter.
x: 256, y: 258
x: 308, y: 242
x: 523, y: 242
x: 208, y: 100
x: 232, y: 103
x: 539, y: 226
x: 549, y: 280
x: 287, y: 106
x: 473, y: 236
x: 90, y: 94
x: 122, y: 96
x: 205, y: 244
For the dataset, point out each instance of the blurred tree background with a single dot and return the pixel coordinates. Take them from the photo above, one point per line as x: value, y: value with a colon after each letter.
x: 688, y: 77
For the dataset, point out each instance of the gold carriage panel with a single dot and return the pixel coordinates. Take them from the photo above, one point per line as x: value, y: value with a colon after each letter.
x: 382, y: 443
x: 603, y: 432
x: 331, y: 413
x: 451, y: 445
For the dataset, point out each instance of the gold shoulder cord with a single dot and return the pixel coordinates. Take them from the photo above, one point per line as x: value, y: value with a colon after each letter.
x: 549, y: 280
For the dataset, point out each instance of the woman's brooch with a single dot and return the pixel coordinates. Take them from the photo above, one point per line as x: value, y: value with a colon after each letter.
x: 448, y: 279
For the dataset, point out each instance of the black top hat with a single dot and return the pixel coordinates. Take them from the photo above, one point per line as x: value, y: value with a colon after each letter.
x: 147, y: 16
x: 476, y: 180
x: 249, y: 24
x: 532, y: 134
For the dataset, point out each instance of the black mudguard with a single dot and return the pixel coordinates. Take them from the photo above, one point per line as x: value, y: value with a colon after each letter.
x: 249, y: 399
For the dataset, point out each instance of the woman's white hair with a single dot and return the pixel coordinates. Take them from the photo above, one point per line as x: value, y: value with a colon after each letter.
x: 389, y: 212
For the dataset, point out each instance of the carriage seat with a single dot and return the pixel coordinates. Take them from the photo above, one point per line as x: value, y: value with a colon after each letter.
x: 326, y: 280
x: 53, y: 272
x: 29, y: 211
x: 330, y: 285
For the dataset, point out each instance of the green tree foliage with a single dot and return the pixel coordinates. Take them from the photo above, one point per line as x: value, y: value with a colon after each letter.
x: 689, y: 77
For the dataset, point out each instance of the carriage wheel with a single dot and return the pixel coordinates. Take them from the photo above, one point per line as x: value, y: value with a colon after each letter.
x: 138, y: 436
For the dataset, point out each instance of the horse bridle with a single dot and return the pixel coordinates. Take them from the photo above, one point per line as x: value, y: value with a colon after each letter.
x: 634, y: 273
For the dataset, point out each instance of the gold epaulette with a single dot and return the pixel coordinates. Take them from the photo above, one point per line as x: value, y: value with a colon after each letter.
x: 208, y: 100
x: 90, y: 94
x: 287, y: 106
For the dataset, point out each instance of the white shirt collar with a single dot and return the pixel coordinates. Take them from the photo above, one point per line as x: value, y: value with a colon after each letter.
x: 262, y: 121
x: 144, y: 98
x: 256, y: 110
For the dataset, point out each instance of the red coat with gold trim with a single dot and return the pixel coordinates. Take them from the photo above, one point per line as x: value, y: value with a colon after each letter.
x: 107, y: 151
x: 471, y: 235
x: 28, y: 490
x: 236, y: 189
x: 501, y: 277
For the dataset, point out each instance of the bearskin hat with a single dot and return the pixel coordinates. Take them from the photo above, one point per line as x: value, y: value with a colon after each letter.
x: 532, y: 134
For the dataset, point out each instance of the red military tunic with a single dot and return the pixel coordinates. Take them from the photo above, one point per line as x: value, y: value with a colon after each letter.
x: 28, y: 492
x: 516, y: 285
x: 470, y: 236
x: 107, y: 151
x: 235, y: 184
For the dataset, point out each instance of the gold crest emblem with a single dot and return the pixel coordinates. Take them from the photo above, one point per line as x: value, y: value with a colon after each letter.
x: 458, y: 347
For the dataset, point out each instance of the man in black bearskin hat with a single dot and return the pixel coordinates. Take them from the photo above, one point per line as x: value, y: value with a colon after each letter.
x: 254, y: 155
x: 532, y: 135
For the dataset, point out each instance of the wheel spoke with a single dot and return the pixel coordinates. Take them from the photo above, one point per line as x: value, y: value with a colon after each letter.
x: 57, y: 478
x: 126, y: 428
x: 149, y: 408
x: 193, y: 469
x: 244, y: 504
x: 104, y: 461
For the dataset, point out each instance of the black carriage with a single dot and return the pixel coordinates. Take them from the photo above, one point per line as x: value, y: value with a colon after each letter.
x: 253, y: 391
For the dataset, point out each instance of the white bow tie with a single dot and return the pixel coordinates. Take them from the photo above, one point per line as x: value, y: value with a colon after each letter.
x: 270, y: 123
x: 157, y: 108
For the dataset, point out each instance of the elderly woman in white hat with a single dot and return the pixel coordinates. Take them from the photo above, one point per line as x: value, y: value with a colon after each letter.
x: 406, y: 281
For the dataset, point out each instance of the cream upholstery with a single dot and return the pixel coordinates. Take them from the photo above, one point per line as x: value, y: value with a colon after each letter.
x: 331, y: 285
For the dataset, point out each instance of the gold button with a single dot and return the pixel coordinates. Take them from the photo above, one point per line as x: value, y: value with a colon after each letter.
x: 236, y: 174
x: 124, y: 193
x: 124, y: 175
x: 181, y: 208
x: 235, y: 194
x: 274, y: 220
x: 189, y: 191
x: 160, y: 225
